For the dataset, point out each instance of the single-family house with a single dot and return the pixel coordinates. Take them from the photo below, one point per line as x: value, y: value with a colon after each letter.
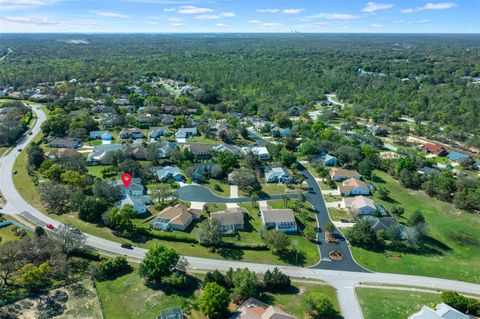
x: 139, y: 203
x: 282, y: 131
x: 434, y: 149
x: 167, y: 173
x: 100, y: 152
x: 330, y: 160
x: 382, y: 223
x: 165, y: 149
x: 428, y: 171
x: 156, y: 132
x: 228, y: 148
x: 201, y: 151
x: 167, y: 119
x: 230, y: 220
x: 360, y: 205
x: 441, y: 311
x: 186, y: 132
x: 133, y: 195
x: 201, y: 171
x: 280, y: 219
x: 135, y: 188
x: 133, y: 132
x: 261, y: 152
x: 277, y: 175
x: 137, y: 151
x: 340, y: 174
x: 353, y: 186
x: 101, y: 135
x: 457, y: 157
x: 255, y: 309
x: 178, y: 217
x: 63, y: 154
x: 65, y: 143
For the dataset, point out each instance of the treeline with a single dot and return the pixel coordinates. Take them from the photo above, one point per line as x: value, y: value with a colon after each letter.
x: 262, y: 74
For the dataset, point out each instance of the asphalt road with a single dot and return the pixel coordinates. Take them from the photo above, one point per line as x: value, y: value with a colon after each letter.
x: 343, y: 281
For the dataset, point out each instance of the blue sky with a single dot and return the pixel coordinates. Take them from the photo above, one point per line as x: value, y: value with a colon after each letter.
x: 409, y: 16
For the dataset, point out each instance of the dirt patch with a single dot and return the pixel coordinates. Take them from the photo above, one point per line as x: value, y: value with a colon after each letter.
x: 393, y: 256
x: 78, y: 300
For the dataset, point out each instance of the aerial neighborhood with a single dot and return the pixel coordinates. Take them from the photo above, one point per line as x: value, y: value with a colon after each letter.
x: 167, y: 196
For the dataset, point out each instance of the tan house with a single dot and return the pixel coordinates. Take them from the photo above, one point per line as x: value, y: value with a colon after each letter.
x: 231, y: 220
x: 360, y: 205
x: 340, y: 174
x: 255, y: 309
x: 178, y: 217
x: 353, y: 186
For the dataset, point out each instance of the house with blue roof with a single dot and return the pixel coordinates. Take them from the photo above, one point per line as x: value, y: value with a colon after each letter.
x: 133, y: 195
x: 201, y: 171
x: 186, y: 132
x: 457, y: 157
x: 156, y: 132
x: 167, y: 173
x: 101, y: 135
x: 330, y: 160
x: 100, y: 152
x: 277, y: 175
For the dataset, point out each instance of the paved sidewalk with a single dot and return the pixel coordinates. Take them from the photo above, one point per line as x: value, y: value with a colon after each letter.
x: 331, y: 192
x: 197, y: 205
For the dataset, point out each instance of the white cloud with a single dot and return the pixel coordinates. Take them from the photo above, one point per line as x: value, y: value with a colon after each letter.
x: 109, y: 14
x: 323, y: 24
x: 24, y: 3
x: 270, y: 26
x: 221, y: 25
x: 432, y: 6
x: 174, y: 19
x: 31, y: 20
x: 292, y: 11
x: 207, y: 17
x: 423, y: 21
x: 176, y: 24
x: 194, y: 10
x: 331, y: 16
x: 376, y: 6
x: 254, y: 21
x: 376, y: 25
x: 170, y: 9
x: 227, y: 14
x: 268, y: 10
x: 151, y: 22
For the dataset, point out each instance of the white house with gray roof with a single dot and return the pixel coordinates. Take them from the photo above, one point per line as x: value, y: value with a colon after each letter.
x: 167, y: 173
x: 442, y: 311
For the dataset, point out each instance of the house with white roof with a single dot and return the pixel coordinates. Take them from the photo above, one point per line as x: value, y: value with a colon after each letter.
x: 360, y: 205
x: 167, y: 173
x: 277, y: 175
x: 442, y: 311
x: 261, y: 152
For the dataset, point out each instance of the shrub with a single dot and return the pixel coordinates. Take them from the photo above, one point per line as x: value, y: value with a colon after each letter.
x: 110, y: 268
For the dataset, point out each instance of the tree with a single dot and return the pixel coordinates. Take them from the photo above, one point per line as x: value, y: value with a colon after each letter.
x: 162, y: 192
x: 35, y: 155
x: 73, y: 178
x: 319, y: 306
x: 211, y: 234
x: 416, y: 218
x: 39, y: 231
x: 276, y: 280
x: 383, y: 193
x: 246, y: 181
x: 362, y: 235
x: 277, y: 241
x: 288, y: 158
x: 227, y: 161
x: 121, y: 219
x: 56, y: 197
x: 216, y: 277
x: 158, y: 263
x: 397, y: 211
x: 464, y: 304
x: 245, y: 285
x: 33, y: 277
x: 55, y: 172
x: 110, y: 268
x: 214, y: 301
x: 68, y: 237
x: 102, y: 189
x: 365, y: 168
x: 92, y: 208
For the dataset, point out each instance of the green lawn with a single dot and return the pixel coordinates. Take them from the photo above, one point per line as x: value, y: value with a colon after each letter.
x: 279, y: 188
x: 338, y: 214
x: 203, y: 139
x: 3, y: 150
x: 332, y: 198
x: 7, y: 235
x: 225, y: 187
x: 455, y: 244
x: 97, y: 170
x: 312, y: 170
x: 295, y: 301
x: 393, y: 304
x: 127, y: 297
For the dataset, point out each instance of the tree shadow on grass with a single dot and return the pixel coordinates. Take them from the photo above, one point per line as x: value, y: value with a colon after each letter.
x: 230, y: 253
x: 292, y: 258
x: 377, y: 179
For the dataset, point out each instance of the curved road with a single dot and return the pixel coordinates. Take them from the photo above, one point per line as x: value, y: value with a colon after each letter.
x: 343, y: 281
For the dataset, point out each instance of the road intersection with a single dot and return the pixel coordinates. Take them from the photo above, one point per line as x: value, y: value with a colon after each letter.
x: 344, y: 281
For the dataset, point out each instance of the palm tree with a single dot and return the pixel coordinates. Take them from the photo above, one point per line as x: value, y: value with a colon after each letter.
x: 285, y: 199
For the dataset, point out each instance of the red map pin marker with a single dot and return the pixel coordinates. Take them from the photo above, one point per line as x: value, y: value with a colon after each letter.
x: 126, y: 179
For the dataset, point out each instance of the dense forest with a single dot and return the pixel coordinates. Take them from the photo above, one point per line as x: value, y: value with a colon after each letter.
x: 427, y: 77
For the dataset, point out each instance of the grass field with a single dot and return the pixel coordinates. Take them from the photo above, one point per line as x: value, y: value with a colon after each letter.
x: 455, y: 239
x: 338, y: 214
x: 3, y: 150
x: 225, y: 187
x: 127, y: 297
x: 393, y: 304
x: 295, y: 302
